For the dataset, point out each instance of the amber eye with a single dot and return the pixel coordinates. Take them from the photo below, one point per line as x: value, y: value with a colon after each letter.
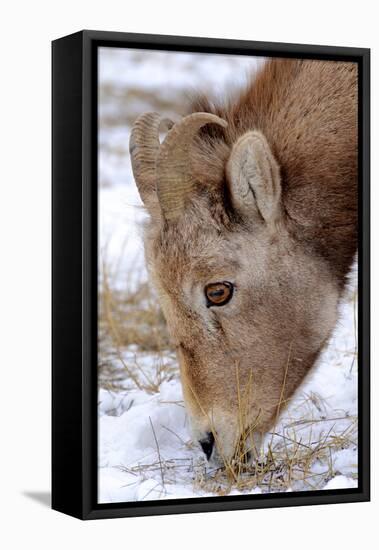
x: 218, y: 294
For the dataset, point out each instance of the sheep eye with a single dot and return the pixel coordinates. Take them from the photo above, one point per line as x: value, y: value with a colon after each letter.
x: 218, y: 294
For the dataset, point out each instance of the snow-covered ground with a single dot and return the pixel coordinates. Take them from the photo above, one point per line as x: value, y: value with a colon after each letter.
x: 145, y: 449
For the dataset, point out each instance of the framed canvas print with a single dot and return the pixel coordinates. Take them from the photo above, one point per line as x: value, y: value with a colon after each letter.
x: 210, y: 275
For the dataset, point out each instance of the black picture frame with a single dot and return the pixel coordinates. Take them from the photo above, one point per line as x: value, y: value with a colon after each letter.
x: 74, y: 272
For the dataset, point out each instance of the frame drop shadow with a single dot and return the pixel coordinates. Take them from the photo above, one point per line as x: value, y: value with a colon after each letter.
x: 42, y: 497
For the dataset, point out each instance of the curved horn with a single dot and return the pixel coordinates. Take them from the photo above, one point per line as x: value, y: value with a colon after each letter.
x: 143, y: 147
x: 174, y: 179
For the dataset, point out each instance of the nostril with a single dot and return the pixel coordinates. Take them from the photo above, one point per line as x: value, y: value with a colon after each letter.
x: 207, y: 444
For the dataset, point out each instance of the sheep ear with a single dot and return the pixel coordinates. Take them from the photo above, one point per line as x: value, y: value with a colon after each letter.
x: 254, y: 178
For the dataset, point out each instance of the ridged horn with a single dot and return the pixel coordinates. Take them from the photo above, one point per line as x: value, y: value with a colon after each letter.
x: 143, y: 148
x: 173, y: 171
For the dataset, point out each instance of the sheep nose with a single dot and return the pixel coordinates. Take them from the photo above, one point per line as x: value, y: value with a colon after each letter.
x: 207, y: 444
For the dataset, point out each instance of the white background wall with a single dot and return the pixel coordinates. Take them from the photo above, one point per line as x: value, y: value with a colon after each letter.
x: 26, y: 31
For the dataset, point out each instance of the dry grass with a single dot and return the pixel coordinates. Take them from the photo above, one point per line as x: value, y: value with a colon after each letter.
x: 287, y: 463
x: 137, y: 101
x: 131, y: 320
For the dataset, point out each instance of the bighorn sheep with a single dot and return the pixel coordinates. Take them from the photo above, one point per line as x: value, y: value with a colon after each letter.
x: 252, y: 232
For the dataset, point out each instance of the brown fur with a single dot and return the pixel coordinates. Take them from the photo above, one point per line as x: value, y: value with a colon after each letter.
x: 308, y: 112
x: 288, y: 279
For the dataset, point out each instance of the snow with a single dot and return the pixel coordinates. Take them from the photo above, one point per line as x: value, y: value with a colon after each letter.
x: 145, y: 450
x: 167, y: 72
x: 121, y: 216
x: 340, y: 482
